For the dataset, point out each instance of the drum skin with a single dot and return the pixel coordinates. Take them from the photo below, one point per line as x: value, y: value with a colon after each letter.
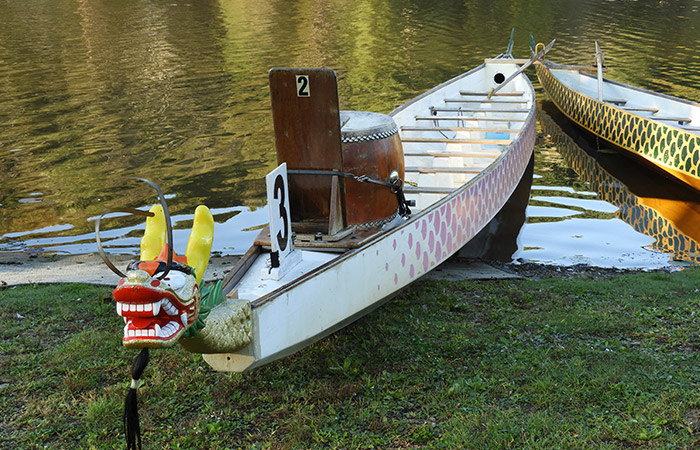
x: 371, y: 147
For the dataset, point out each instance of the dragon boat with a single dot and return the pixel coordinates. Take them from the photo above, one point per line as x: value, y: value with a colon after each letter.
x: 658, y: 129
x: 361, y: 205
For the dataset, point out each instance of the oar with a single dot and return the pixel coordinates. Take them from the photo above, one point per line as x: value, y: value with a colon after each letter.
x: 509, y: 50
x: 539, y: 55
x: 599, y: 61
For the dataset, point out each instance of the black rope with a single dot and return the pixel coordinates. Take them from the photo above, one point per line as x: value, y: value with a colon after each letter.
x: 360, y: 178
x: 132, y: 428
x: 397, y: 188
x: 395, y: 184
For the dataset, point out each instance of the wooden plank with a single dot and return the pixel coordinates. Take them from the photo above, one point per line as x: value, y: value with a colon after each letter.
x: 616, y: 101
x: 242, y: 266
x: 339, y: 242
x: 492, y: 101
x: 466, y: 129
x: 463, y: 118
x: 444, y: 154
x: 497, y: 94
x: 307, y: 96
x: 640, y: 109
x: 444, y: 169
x: 457, y: 141
x: 671, y: 119
x: 336, y: 221
x: 506, y: 60
x: 493, y: 110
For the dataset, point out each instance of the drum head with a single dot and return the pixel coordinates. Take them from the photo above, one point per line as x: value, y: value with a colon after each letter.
x: 364, y: 125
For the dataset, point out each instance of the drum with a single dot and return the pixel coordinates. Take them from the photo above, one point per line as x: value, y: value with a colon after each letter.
x: 371, y: 148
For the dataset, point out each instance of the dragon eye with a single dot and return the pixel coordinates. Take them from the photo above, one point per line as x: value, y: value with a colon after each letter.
x: 175, y: 279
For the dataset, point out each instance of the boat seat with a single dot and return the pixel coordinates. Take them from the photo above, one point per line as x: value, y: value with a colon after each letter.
x: 444, y: 169
x: 640, y: 109
x: 444, y: 154
x: 457, y: 141
x: 691, y: 128
x: 315, y: 202
x: 494, y: 110
x: 492, y: 101
x: 428, y: 190
x: 467, y: 118
x: 497, y: 94
x: 616, y: 101
x: 672, y: 119
x: 466, y: 129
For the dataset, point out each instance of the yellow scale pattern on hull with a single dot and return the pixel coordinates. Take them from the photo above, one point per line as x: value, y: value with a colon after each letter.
x: 669, y: 148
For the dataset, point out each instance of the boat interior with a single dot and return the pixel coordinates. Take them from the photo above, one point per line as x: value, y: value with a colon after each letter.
x: 452, y: 134
x: 669, y: 110
x: 445, y: 138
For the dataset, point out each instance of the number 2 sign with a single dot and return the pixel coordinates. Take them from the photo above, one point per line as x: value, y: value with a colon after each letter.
x: 303, y: 88
x: 280, y: 219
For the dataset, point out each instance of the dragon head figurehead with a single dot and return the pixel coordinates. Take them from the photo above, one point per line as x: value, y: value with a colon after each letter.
x: 157, y: 311
x: 159, y: 296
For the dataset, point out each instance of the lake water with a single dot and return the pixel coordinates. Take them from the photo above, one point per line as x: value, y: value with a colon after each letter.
x: 176, y: 92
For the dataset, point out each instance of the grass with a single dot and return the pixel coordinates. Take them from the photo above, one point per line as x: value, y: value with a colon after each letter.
x: 537, y: 364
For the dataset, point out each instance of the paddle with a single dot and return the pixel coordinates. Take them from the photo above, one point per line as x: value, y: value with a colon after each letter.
x: 509, y: 50
x: 599, y: 61
x: 539, y: 55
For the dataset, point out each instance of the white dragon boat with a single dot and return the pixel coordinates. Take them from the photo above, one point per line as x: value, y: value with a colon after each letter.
x: 458, y: 155
x: 361, y: 205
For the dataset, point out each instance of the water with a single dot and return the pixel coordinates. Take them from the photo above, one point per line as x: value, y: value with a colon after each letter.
x: 91, y: 92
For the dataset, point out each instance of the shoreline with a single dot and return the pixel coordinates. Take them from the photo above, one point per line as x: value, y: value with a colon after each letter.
x: 18, y: 268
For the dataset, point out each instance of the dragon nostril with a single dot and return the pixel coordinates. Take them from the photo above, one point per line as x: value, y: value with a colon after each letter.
x: 155, y: 283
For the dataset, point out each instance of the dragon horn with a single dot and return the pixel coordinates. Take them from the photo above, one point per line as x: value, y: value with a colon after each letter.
x: 154, y: 236
x: 199, y: 244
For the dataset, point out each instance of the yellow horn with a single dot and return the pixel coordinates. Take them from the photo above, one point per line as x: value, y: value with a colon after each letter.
x: 199, y: 244
x: 154, y: 236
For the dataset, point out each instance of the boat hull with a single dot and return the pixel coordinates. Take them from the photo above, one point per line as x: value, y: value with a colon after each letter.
x: 670, y: 149
x: 340, y: 290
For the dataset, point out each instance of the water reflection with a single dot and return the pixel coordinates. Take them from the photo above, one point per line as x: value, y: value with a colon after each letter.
x: 177, y: 92
x: 664, y: 215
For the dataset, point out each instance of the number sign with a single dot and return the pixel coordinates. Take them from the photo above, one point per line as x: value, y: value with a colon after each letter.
x: 303, y: 88
x: 278, y: 204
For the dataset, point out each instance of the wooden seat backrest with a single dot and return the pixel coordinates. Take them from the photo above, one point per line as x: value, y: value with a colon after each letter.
x: 306, y: 119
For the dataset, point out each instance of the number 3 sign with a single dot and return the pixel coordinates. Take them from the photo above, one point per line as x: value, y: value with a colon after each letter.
x: 280, y: 220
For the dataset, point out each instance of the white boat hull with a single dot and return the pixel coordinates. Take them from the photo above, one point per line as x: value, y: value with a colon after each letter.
x: 338, y: 288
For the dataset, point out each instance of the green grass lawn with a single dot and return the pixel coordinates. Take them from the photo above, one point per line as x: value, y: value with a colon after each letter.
x: 536, y: 364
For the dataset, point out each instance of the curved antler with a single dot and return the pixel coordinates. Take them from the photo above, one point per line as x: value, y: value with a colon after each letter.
x: 139, y: 212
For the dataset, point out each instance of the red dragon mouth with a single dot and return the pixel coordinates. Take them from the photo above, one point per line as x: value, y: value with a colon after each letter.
x: 156, y: 312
